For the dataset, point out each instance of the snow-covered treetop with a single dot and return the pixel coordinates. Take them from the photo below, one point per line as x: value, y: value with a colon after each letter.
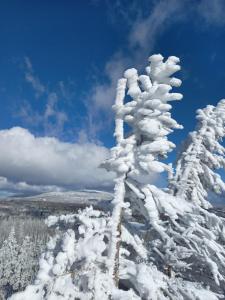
x: 147, y: 114
x: 211, y: 121
x: 202, y: 154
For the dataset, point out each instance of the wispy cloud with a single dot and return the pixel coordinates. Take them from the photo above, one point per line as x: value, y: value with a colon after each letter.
x: 140, y: 42
x: 212, y: 11
x: 144, y: 31
x: 53, y: 118
x: 33, y: 79
x: 50, y: 118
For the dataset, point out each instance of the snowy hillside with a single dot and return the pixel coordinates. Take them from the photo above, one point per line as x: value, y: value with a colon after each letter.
x: 76, y: 197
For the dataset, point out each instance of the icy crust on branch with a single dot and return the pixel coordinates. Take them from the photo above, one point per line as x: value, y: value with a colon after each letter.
x: 148, y: 115
x: 201, y: 156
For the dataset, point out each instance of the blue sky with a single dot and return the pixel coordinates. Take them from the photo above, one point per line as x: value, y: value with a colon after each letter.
x: 59, y: 63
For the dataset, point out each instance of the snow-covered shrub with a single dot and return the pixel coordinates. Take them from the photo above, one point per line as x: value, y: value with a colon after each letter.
x: 201, y: 155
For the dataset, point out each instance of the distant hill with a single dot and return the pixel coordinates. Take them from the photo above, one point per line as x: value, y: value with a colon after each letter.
x: 53, y: 203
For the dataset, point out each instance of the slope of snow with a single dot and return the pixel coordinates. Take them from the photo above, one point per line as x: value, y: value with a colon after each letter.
x: 86, y: 196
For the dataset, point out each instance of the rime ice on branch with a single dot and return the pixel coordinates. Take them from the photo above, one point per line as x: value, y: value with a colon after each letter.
x: 201, y: 156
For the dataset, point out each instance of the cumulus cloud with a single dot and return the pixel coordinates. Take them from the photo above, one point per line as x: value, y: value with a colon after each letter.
x: 44, y: 164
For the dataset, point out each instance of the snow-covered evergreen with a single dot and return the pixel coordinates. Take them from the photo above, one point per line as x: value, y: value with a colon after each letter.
x: 26, y: 263
x: 74, y: 265
x: 149, y: 225
x: 202, y: 154
x: 147, y: 114
x: 9, y: 274
x: 18, y: 264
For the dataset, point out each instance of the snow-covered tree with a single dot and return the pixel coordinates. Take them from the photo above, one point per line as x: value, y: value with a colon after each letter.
x: 18, y: 264
x: 136, y: 156
x: 75, y: 263
x: 26, y: 263
x: 9, y: 275
x: 202, y: 154
x: 148, y: 224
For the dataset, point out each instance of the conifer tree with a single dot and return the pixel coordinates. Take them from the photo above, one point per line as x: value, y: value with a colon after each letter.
x: 9, y: 274
x: 137, y: 155
x: 171, y: 234
x: 202, y: 154
x: 26, y: 263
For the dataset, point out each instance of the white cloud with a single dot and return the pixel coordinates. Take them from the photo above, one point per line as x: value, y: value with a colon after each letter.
x: 144, y: 32
x: 53, y: 119
x: 42, y: 163
x: 30, y: 77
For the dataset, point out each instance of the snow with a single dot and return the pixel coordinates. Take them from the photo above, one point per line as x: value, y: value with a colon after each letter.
x: 151, y: 238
